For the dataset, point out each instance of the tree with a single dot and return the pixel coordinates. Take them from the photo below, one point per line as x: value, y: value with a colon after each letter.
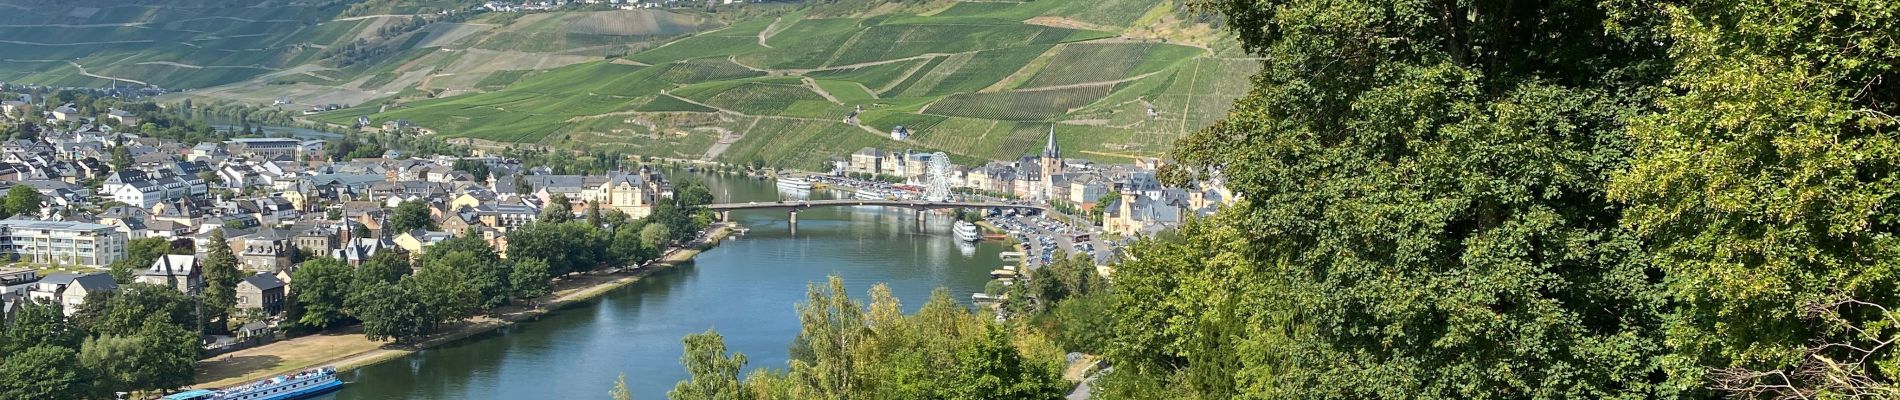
x: 391, y: 311
x: 558, y: 210
x: 42, y: 372
x: 386, y: 266
x: 38, y: 323
x: 410, y: 216
x: 221, y: 277
x: 713, y: 374
x: 655, y: 236
x: 692, y: 194
x: 1426, y: 212
x: 128, y: 309
x: 476, y: 168
x: 1765, y: 191
x: 629, y: 247
x: 160, y: 356
x: 620, y: 391
x: 139, y: 254
x: 529, y: 278
x: 449, y: 293
x: 322, y: 287
x: 21, y: 200
x: 990, y: 368
x: 465, y: 279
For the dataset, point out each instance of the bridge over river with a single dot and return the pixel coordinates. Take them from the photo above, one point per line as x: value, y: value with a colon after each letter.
x: 792, y: 207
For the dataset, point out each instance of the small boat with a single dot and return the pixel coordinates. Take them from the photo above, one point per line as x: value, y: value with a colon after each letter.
x: 869, y: 194
x: 1002, y: 273
x: 1011, y: 255
x: 966, y: 231
x: 985, y: 298
x: 794, y: 184
x: 301, y: 385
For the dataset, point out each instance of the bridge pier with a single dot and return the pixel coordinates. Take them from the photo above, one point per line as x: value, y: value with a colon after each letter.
x: 922, y: 216
x: 793, y: 221
x: 725, y: 216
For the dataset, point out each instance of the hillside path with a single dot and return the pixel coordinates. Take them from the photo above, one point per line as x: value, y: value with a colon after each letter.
x: 82, y: 71
x: 813, y: 85
x: 1088, y: 84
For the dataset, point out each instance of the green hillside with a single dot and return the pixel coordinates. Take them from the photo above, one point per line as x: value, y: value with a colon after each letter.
x: 344, y: 52
x: 978, y: 80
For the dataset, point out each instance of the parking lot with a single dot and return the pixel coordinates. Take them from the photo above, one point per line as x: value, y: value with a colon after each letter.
x: 1048, y: 239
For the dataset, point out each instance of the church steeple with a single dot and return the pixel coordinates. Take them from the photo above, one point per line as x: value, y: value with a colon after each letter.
x: 1051, y: 150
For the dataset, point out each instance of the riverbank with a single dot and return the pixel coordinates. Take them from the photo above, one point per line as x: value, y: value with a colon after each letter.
x: 347, y: 349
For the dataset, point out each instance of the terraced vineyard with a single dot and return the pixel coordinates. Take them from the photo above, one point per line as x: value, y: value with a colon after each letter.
x: 981, y: 80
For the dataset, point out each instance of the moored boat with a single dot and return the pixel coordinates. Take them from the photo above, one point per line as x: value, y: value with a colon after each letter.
x: 794, y: 184
x: 966, y: 231
x: 301, y: 385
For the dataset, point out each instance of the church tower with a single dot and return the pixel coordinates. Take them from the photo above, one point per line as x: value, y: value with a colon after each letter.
x: 1051, y: 166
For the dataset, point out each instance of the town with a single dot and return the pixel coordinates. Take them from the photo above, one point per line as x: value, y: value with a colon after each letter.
x: 93, y: 204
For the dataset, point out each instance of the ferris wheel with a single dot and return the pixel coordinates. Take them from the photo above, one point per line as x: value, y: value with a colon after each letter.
x: 939, y: 178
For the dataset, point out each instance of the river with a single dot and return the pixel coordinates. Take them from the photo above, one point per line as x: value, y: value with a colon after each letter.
x: 744, y: 288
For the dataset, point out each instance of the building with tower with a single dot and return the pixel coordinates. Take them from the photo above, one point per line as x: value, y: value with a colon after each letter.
x: 1051, y: 168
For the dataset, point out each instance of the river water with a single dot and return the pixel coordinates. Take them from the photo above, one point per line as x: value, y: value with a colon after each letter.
x: 744, y: 288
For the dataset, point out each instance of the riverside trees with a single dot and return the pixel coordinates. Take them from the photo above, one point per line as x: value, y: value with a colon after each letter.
x: 847, y: 350
x: 403, y: 298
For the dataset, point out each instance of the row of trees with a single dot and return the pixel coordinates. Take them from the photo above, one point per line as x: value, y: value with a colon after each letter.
x: 397, y: 300
x: 1566, y: 199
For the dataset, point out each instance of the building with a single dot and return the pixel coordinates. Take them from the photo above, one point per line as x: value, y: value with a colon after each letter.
x: 65, y: 112
x: 900, y: 133
x: 867, y: 161
x: 265, y: 147
x: 125, y: 118
x: 61, y: 242
x: 175, y: 270
x: 69, y: 289
x: 262, y: 292
x: 1051, y: 163
x: 142, y: 190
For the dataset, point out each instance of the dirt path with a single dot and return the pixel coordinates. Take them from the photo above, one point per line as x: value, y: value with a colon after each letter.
x: 82, y: 71
x: 373, y: 16
x: 75, y: 43
x: 183, y: 65
x: 813, y: 85
x: 726, y: 139
x: 1089, y: 84
x: 769, y: 31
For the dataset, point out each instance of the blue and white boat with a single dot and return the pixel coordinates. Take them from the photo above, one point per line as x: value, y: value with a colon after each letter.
x: 300, y: 385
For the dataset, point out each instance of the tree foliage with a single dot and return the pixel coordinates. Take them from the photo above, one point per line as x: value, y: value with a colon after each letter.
x: 1766, y: 191
x: 221, y: 277
x: 846, y: 350
x: 322, y: 286
x: 410, y: 216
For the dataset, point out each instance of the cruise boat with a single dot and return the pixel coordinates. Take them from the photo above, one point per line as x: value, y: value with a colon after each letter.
x: 794, y: 184
x: 301, y: 385
x: 967, y: 231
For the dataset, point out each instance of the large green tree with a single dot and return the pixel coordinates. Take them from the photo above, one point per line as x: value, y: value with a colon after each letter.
x: 1767, y: 193
x: 21, y: 200
x: 221, y: 277
x: 38, y: 323
x: 43, y: 372
x: 1426, y: 215
x: 409, y: 216
x: 392, y: 311
x: 322, y: 287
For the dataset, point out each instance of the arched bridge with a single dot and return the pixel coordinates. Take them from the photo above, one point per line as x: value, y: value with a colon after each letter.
x: 911, y: 204
x: 792, y: 206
